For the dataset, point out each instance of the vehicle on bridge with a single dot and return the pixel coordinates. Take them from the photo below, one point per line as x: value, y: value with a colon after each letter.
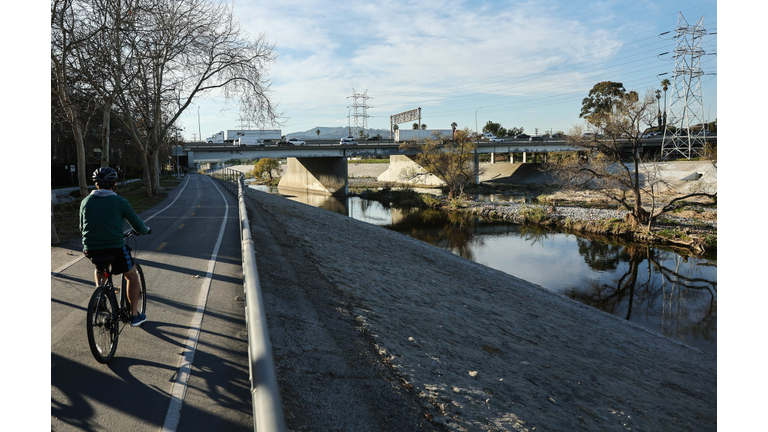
x: 296, y: 141
x: 497, y: 139
x: 248, y: 141
x: 536, y: 139
x: 347, y: 141
x: 402, y: 135
x: 254, y: 134
x: 217, y: 138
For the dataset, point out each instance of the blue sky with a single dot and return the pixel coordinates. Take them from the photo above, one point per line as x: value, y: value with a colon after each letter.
x: 519, y: 63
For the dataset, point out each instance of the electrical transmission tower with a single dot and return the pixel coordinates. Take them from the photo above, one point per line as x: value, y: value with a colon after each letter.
x: 360, y: 113
x: 686, y: 107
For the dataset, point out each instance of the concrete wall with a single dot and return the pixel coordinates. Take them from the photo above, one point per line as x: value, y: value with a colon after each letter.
x: 324, y: 175
x: 402, y: 166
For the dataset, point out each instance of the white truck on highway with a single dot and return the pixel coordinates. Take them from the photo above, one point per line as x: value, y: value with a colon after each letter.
x: 402, y: 135
x: 252, y: 136
x: 217, y: 138
x: 246, y: 141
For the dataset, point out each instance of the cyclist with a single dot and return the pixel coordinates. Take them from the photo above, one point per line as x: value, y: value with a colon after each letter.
x: 101, y: 223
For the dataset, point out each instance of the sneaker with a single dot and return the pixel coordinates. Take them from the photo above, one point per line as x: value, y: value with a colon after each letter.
x: 138, y: 320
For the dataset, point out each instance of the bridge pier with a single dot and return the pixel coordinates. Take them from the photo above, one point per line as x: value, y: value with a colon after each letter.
x: 325, y: 175
x: 402, y: 169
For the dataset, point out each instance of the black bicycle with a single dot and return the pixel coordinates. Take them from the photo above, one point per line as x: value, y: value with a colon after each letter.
x: 104, y: 317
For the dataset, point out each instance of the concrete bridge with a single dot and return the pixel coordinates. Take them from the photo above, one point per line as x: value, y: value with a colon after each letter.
x: 320, y: 166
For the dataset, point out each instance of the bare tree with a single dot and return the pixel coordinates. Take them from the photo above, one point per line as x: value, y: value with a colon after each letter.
x: 103, y: 58
x: 177, y: 51
x: 149, y: 59
x: 612, y: 164
x: 68, y: 36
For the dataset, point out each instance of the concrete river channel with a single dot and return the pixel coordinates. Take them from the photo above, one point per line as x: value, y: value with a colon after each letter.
x: 658, y: 289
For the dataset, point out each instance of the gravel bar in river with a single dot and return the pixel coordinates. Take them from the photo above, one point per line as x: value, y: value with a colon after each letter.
x: 373, y: 330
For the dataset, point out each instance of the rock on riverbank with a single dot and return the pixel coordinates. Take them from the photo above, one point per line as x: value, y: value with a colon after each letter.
x: 373, y: 330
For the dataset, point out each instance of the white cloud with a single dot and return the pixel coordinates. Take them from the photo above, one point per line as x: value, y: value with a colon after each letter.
x: 451, y: 56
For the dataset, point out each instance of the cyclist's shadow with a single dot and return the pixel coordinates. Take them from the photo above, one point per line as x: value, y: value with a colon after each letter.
x: 83, y: 383
x: 122, y: 365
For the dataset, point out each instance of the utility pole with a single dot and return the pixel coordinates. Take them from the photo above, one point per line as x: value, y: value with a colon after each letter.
x: 477, y: 133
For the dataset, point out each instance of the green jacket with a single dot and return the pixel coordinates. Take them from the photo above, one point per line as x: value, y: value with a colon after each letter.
x: 101, y: 220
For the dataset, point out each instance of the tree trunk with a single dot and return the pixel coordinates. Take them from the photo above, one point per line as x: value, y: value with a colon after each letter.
x: 105, y: 128
x: 155, y: 172
x: 82, y: 180
x: 145, y: 175
x: 77, y: 133
x: 638, y: 217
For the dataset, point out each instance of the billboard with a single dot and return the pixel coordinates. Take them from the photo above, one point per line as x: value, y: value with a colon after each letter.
x: 405, y: 117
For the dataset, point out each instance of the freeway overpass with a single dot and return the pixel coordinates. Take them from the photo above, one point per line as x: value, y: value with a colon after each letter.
x: 321, y: 165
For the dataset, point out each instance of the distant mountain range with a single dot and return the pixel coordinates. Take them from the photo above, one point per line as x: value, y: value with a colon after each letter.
x: 327, y: 133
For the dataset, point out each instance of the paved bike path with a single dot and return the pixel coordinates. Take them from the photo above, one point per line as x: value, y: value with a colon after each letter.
x: 134, y: 391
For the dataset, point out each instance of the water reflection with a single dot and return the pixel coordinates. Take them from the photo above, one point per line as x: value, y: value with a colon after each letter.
x: 372, y: 212
x: 675, y: 295
x: 657, y: 289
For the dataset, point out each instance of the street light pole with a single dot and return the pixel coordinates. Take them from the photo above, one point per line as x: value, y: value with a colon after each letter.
x: 477, y: 133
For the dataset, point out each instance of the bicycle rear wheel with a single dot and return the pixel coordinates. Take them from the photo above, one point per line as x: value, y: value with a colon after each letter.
x: 102, y: 324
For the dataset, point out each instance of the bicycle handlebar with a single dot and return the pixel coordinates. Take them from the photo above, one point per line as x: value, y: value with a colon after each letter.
x: 134, y: 232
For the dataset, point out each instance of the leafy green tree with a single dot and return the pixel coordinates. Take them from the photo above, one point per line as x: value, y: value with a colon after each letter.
x: 602, y: 100
x: 266, y: 167
x: 665, y: 85
x: 515, y: 131
x: 492, y: 127
x: 452, y: 161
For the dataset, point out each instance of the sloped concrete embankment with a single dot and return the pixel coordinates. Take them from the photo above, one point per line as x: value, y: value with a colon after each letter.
x: 374, y: 330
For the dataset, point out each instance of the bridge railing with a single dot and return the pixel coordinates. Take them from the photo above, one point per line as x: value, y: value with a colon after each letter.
x: 228, y: 176
x: 265, y: 395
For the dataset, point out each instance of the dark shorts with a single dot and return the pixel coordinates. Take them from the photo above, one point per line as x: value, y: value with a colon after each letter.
x: 121, y: 258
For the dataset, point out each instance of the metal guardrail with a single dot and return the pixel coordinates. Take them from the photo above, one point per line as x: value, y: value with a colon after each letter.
x: 265, y: 394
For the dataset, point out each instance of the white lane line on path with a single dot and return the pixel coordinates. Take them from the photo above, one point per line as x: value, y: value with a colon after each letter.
x: 66, y: 266
x: 179, y: 388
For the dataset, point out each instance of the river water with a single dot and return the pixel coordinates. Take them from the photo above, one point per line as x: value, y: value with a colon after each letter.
x: 654, y: 288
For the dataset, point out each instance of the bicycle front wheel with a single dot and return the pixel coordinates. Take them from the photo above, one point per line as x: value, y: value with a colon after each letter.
x: 102, y: 324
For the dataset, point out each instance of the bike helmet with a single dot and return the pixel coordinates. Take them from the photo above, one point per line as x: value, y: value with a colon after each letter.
x: 104, y: 174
